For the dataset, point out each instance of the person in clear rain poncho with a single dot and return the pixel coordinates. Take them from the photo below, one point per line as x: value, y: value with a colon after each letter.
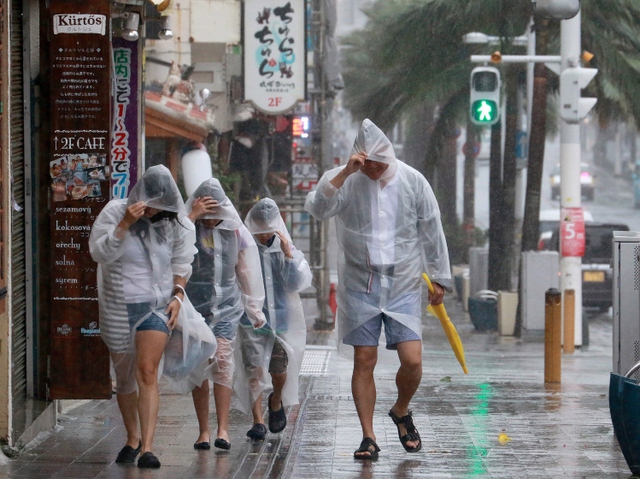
x: 226, y: 282
x: 144, y: 247
x: 389, y: 232
x: 278, y: 347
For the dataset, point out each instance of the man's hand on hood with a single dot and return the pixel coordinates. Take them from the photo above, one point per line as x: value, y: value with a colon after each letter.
x: 354, y: 164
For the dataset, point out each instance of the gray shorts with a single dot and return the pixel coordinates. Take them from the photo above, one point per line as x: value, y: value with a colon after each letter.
x: 368, y: 334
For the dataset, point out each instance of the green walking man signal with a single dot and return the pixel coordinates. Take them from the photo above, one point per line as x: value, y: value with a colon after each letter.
x: 485, y: 95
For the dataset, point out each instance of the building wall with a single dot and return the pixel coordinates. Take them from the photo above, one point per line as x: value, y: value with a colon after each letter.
x: 5, y: 237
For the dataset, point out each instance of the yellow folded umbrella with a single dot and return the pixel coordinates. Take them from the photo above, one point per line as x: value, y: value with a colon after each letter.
x: 454, y: 339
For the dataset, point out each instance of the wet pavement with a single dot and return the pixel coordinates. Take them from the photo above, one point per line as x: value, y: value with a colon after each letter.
x: 555, y: 431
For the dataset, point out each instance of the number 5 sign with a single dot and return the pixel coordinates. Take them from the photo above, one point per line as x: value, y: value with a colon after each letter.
x: 572, y: 237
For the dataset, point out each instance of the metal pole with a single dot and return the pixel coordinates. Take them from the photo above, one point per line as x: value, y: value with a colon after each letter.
x: 568, y: 320
x: 552, y: 337
x: 570, y: 156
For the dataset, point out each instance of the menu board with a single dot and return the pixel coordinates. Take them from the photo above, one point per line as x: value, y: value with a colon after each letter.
x: 79, y: 169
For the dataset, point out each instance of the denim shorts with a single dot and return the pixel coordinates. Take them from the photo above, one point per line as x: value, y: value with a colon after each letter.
x: 152, y: 323
x: 223, y: 329
x: 368, y: 334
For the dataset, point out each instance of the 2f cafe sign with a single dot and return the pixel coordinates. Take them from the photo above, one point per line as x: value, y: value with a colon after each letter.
x: 274, y: 54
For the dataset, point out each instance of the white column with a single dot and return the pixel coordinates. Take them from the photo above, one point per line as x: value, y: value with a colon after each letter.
x: 570, y: 157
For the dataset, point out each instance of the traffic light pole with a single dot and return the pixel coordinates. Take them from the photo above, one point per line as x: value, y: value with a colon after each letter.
x: 570, y: 157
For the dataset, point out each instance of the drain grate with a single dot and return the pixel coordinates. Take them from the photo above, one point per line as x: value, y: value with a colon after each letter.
x: 315, y: 362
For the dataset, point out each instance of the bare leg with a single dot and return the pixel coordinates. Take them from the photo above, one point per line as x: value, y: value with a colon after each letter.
x: 200, y: 395
x: 222, y: 397
x: 278, y: 381
x: 363, y: 387
x: 407, y: 379
x: 258, y: 412
x: 128, y: 403
x: 149, y: 347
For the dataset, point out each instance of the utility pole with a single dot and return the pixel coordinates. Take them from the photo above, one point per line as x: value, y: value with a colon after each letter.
x: 570, y: 157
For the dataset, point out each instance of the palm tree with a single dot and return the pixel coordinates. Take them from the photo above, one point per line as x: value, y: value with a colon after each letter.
x: 394, y: 69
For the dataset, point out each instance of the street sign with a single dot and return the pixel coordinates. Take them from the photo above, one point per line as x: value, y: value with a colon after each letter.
x: 522, y: 145
x: 572, y: 234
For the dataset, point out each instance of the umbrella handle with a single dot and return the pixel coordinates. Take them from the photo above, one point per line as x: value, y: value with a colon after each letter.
x: 426, y: 278
x: 632, y: 370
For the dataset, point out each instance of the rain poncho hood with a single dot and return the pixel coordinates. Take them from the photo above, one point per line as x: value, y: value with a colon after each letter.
x: 374, y: 143
x: 389, y: 232
x: 283, y: 280
x: 265, y: 217
x: 225, y: 210
x: 157, y: 189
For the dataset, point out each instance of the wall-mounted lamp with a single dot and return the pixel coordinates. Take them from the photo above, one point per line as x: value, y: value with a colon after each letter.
x: 130, y: 27
x: 165, y: 32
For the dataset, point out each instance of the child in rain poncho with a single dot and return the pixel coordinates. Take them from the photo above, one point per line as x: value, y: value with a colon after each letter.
x: 279, y: 346
x: 144, y: 247
x: 389, y: 232
x: 226, y: 282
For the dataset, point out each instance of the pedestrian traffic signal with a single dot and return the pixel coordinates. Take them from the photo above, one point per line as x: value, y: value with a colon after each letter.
x: 573, y: 107
x: 485, y: 96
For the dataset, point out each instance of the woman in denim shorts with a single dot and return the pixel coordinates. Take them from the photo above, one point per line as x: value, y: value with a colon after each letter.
x: 144, y: 247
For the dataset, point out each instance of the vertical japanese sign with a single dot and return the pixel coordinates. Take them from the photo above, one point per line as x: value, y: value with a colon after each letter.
x: 274, y: 54
x: 124, y: 145
x: 79, y: 170
x: 572, y: 234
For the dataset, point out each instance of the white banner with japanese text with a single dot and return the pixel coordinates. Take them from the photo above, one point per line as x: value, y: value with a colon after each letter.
x: 274, y: 54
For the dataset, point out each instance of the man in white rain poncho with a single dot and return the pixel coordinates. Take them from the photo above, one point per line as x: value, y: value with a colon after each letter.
x: 226, y: 282
x: 389, y: 232
x: 144, y: 247
x: 278, y: 347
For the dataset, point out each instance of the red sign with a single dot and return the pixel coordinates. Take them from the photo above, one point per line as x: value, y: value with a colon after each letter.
x: 572, y: 235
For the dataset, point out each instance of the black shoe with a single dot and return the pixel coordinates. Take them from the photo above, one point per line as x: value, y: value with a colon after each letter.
x: 127, y: 454
x: 202, y: 446
x: 277, y: 419
x: 148, y: 461
x: 257, y: 432
x: 222, y: 444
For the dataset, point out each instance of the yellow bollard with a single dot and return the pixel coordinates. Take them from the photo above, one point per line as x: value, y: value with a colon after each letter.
x: 569, y: 308
x: 552, y: 336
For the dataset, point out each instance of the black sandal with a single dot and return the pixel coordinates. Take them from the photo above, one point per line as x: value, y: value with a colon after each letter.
x: 412, y: 433
x: 367, y: 445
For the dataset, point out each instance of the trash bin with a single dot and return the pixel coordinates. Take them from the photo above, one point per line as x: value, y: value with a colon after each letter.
x: 624, y: 406
x: 483, y: 310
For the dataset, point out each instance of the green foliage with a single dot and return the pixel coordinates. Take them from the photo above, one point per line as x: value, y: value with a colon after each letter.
x: 412, y: 50
x: 457, y: 241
